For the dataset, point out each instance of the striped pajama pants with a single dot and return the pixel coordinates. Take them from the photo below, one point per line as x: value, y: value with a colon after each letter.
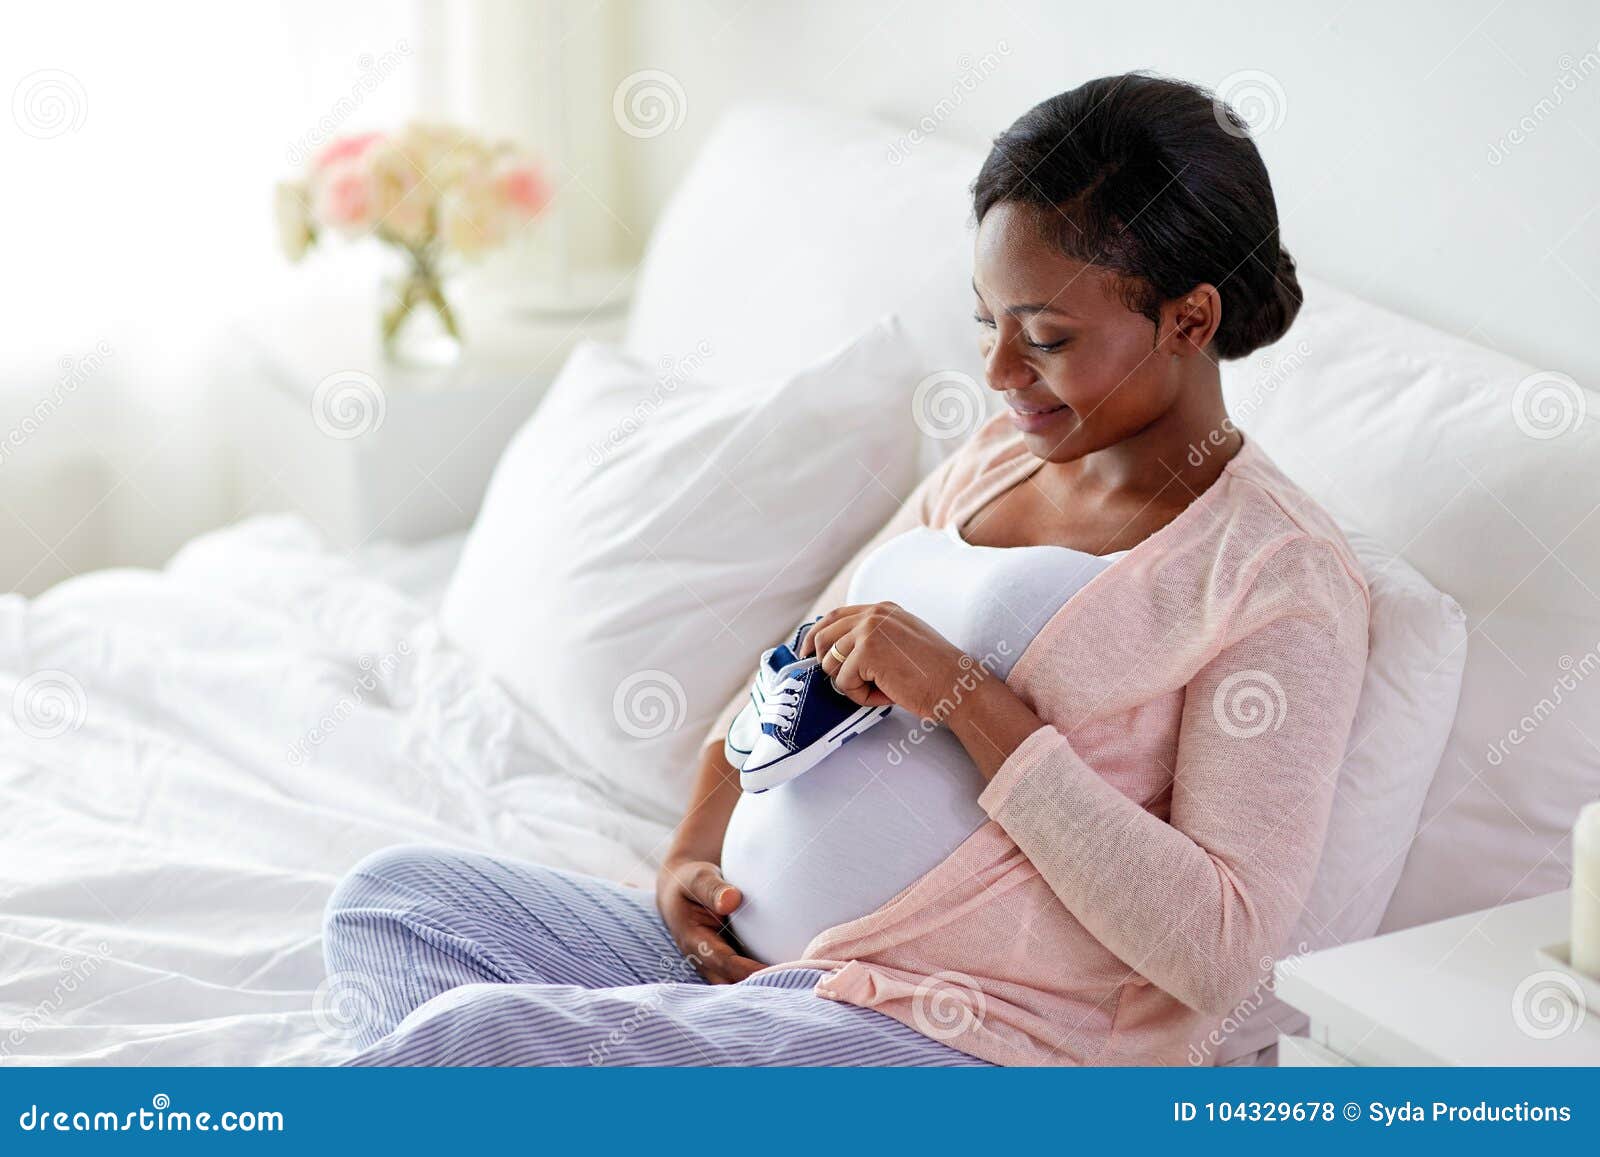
x: 439, y: 957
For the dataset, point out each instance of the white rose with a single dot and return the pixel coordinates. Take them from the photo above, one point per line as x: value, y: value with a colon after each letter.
x: 403, y: 203
x: 471, y: 216
x: 291, y: 204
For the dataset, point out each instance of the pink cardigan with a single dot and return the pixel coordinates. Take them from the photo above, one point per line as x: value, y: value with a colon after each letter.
x: 1149, y: 848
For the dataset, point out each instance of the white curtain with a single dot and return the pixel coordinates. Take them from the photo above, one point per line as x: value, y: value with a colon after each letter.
x: 137, y: 160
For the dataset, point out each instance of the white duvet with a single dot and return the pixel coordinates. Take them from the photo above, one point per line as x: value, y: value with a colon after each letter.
x: 190, y: 759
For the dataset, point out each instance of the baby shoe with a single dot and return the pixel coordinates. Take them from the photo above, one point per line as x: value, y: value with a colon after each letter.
x: 746, y: 727
x: 803, y: 719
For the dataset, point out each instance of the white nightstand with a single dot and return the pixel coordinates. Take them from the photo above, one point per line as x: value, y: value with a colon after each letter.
x: 367, y: 450
x: 1464, y: 991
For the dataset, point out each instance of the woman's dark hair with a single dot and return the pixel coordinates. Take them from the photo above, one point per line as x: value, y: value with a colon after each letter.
x: 1158, y: 181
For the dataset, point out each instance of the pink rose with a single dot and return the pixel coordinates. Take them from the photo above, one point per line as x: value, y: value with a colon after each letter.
x: 523, y: 189
x: 344, y: 149
x: 344, y: 196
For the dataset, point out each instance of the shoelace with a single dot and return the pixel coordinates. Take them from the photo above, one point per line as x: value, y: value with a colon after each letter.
x: 782, y: 703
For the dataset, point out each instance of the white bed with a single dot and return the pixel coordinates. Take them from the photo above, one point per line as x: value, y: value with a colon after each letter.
x: 166, y: 856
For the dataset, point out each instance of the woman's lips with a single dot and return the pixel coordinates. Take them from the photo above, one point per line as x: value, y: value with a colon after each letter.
x: 1031, y: 421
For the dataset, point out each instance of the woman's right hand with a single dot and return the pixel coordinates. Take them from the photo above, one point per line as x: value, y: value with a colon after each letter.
x: 695, y: 902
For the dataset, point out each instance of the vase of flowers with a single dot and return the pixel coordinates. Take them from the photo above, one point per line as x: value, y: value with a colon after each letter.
x: 436, y: 195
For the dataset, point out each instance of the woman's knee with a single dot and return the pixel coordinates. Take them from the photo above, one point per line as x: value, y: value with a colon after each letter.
x: 408, y: 877
x: 391, y: 880
x: 384, y: 872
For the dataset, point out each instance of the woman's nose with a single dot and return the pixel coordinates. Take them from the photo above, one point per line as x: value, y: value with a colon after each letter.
x: 1002, y: 367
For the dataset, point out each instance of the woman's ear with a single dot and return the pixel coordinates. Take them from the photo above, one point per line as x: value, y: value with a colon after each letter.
x: 1191, y: 321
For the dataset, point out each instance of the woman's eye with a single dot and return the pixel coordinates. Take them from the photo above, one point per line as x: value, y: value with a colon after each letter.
x: 1042, y: 347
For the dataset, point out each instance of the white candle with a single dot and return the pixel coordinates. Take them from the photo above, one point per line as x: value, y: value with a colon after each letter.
x: 1585, y: 954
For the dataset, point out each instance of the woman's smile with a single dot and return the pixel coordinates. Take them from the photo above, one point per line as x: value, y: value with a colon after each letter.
x: 1031, y: 419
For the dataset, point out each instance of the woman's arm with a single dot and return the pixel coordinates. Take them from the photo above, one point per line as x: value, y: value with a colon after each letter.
x: 693, y: 897
x: 1200, y: 903
x: 991, y: 722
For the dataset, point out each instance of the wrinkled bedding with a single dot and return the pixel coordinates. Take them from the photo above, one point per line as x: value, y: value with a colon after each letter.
x: 190, y: 759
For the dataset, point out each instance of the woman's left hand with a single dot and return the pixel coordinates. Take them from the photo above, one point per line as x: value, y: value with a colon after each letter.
x: 890, y: 656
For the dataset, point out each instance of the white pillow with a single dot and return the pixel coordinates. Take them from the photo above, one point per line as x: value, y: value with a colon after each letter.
x: 821, y: 219
x: 643, y: 540
x: 1417, y: 647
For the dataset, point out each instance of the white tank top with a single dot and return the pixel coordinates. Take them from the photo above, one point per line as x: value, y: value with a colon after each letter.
x: 866, y: 822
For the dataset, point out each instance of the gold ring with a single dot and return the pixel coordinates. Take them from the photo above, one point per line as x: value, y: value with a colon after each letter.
x: 833, y: 651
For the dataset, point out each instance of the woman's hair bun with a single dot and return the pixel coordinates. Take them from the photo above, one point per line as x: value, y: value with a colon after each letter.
x: 1273, y: 315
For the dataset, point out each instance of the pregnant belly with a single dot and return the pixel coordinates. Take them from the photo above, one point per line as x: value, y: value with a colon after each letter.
x: 845, y: 837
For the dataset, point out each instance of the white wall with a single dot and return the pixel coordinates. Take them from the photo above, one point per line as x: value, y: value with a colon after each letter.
x: 1414, y: 162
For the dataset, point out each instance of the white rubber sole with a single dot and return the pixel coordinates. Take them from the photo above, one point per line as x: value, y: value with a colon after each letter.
x: 796, y: 764
x: 744, y: 726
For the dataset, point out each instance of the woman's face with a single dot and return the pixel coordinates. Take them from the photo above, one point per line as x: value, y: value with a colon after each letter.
x: 1079, y: 369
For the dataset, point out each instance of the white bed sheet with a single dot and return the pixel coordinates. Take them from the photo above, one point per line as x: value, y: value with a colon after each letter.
x: 164, y: 860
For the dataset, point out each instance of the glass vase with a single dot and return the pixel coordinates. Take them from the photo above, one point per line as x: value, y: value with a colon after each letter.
x: 418, y: 325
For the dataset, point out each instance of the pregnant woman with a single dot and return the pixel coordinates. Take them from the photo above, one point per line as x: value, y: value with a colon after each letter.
x: 1123, y: 653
